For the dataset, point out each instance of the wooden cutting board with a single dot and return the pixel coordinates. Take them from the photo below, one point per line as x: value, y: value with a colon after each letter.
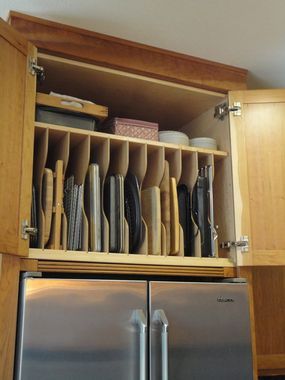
x: 163, y: 240
x: 47, y: 199
x: 174, y: 217
x: 55, y: 234
x: 151, y: 212
x: 165, y: 204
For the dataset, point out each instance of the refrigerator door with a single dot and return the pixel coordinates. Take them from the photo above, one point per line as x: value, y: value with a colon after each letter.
x: 199, y: 331
x: 82, y: 329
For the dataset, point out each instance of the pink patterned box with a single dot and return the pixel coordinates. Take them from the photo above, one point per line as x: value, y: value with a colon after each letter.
x: 132, y: 128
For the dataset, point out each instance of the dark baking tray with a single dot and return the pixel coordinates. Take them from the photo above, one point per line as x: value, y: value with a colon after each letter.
x: 52, y: 115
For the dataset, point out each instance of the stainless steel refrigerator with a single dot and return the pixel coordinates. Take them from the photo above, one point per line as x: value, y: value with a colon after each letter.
x: 72, y: 329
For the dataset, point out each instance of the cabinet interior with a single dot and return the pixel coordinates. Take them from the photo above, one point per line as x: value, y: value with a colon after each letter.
x: 173, y: 106
x: 127, y: 95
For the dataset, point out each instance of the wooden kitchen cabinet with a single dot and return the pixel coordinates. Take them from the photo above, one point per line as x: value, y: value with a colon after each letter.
x: 248, y: 185
x: 134, y: 96
x: 258, y: 139
x: 18, y: 88
x: 269, y: 309
x: 180, y: 93
x: 9, y: 287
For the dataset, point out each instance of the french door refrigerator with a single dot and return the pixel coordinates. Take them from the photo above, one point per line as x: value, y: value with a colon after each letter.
x: 132, y: 330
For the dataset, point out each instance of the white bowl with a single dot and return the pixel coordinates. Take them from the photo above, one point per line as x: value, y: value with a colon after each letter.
x: 173, y: 137
x: 204, y: 142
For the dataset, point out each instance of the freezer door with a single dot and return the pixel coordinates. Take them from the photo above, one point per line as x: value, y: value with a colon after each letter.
x: 199, y: 331
x: 82, y: 329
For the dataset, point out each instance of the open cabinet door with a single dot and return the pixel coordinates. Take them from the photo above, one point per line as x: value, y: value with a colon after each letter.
x: 258, y: 163
x: 17, y: 94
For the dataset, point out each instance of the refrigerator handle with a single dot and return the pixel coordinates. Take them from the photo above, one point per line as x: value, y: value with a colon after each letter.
x: 141, y: 321
x: 159, y: 316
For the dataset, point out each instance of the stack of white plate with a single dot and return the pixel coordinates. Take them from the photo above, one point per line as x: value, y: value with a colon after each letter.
x: 173, y: 137
x: 204, y: 142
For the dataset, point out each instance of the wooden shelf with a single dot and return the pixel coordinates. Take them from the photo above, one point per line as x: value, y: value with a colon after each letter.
x: 121, y: 258
x: 175, y: 154
x: 92, y: 262
x: 218, y: 154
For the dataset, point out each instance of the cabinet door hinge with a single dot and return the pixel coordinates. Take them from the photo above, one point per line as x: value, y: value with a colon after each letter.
x: 35, y: 69
x: 222, y: 110
x: 243, y: 244
x: 27, y: 230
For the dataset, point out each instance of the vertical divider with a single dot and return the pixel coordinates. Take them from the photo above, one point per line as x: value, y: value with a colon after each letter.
x: 57, y: 207
x: 165, y: 209
x: 119, y: 163
x: 126, y: 237
x: 100, y: 154
x: 57, y: 160
x: 174, y: 158
x: 155, y: 166
x: 190, y: 168
x: 223, y: 204
x: 61, y: 151
x: 65, y: 162
x: 81, y: 180
x: 151, y: 208
x: 143, y: 250
x: 78, y: 166
x: 204, y: 160
x: 40, y: 157
x: 163, y: 240
x: 189, y: 175
x: 181, y: 241
x: 174, y: 219
x: 138, y: 167
x: 138, y: 160
x: 119, y: 157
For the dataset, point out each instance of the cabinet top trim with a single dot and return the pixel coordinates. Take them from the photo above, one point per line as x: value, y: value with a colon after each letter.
x: 113, y: 52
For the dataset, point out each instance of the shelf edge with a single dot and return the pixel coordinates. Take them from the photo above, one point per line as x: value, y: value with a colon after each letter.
x: 119, y: 258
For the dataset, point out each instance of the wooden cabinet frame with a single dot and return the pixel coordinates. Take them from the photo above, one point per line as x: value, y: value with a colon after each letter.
x: 100, y: 49
x: 156, y: 63
x: 18, y: 88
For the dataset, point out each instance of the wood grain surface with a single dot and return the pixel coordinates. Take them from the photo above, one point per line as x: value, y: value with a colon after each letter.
x: 119, y: 258
x: 17, y: 93
x: 269, y: 303
x: 267, y: 290
x: 174, y: 218
x: 55, y: 234
x: 9, y: 282
x: 129, y: 56
x: 151, y: 213
x: 126, y: 94
x: 50, y: 264
x: 165, y: 204
x: 47, y: 199
x: 271, y: 364
x: 258, y: 161
x: 116, y: 139
x: 96, y: 110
